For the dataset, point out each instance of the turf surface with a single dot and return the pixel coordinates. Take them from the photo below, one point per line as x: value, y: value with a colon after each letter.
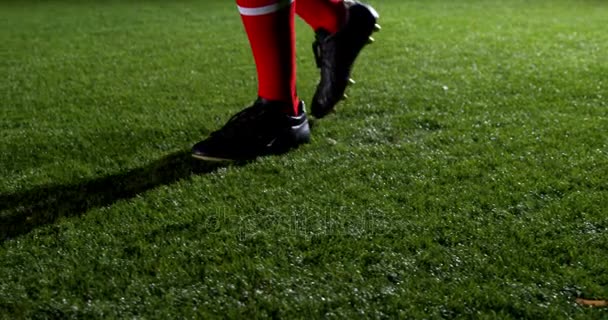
x: 465, y: 177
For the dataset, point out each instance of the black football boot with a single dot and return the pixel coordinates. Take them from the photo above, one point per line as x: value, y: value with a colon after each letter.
x: 265, y: 128
x: 336, y: 53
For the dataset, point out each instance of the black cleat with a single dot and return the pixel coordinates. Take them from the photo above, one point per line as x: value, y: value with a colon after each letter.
x: 336, y: 53
x: 263, y: 129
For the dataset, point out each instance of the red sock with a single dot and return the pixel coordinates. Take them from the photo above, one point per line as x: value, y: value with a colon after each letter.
x: 322, y: 14
x: 270, y: 27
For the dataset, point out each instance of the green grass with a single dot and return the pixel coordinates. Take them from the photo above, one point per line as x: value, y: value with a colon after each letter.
x: 466, y: 176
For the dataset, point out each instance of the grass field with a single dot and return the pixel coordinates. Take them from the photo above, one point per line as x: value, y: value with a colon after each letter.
x: 467, y: 175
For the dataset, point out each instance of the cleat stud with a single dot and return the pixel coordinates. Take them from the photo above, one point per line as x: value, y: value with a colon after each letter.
x: 351, y: 81
x: 344, y: 97
x: 377, y: 27
x: 370, y: 40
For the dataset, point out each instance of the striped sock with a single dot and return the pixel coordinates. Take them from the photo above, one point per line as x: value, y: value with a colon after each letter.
x: 270, y: 28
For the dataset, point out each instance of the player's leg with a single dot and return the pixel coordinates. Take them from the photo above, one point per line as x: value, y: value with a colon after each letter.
x: 343, y: 28
x: 269, y: 25
x: 276, y: 122
x: 328, y: 15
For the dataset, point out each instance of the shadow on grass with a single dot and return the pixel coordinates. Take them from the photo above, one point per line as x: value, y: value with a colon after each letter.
x: 24, y: 211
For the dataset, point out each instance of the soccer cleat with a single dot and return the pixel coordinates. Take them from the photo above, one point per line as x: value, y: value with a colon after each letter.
x: 336, y: 53
x: 265, y: 128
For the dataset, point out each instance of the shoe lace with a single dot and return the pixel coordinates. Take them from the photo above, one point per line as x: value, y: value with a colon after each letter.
x: 241, y: 121
x: 316, y: 48
x: 321, y: 47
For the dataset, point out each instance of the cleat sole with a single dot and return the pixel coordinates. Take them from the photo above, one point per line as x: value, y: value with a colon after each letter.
x: 211, y: 159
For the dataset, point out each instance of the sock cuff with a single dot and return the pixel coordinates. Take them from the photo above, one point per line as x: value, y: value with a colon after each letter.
x: 261, y: 7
